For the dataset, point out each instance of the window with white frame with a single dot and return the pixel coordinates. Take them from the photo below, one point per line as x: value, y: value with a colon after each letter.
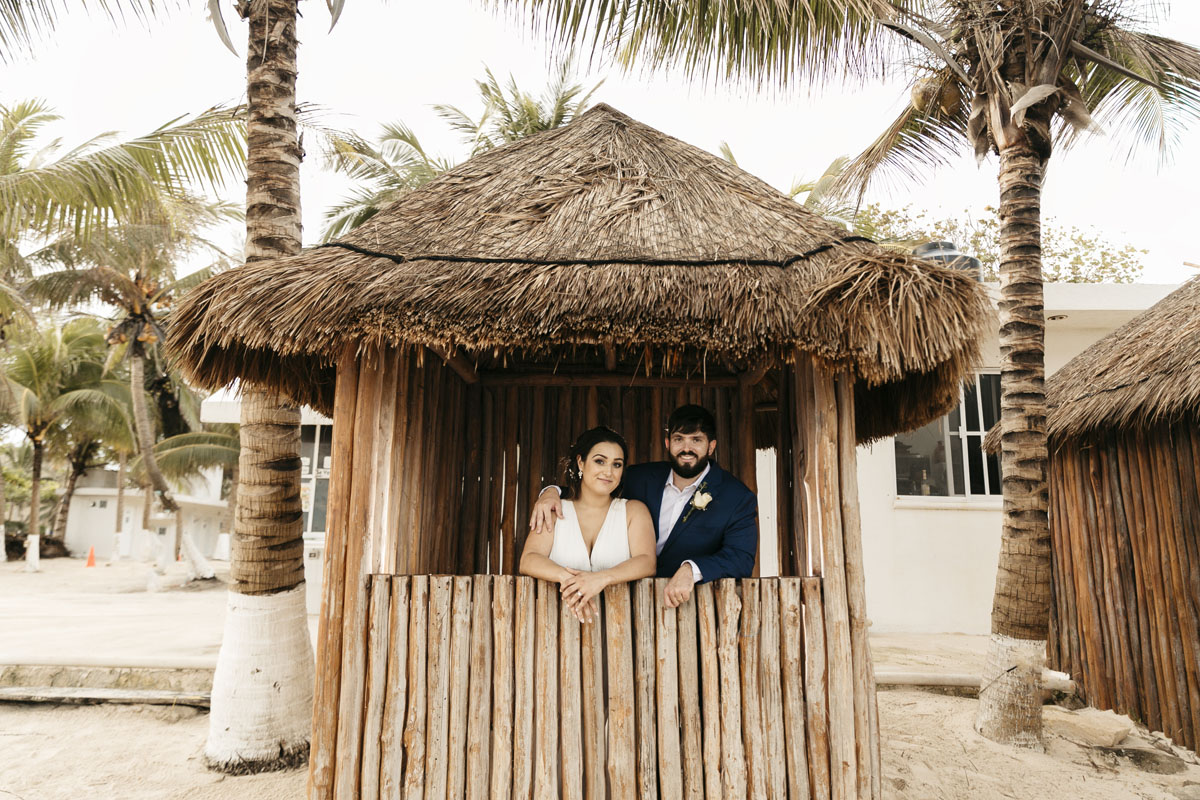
x: 316, y: 446
x: 946, y: 457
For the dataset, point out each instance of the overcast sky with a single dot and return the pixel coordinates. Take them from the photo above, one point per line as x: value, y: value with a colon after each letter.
x: 392, y: 61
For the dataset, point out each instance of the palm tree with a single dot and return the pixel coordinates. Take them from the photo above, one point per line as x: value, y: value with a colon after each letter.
x: 132, y: 267
x: 262, y: 695
x: 45, y: 189
x: 50, y: 375
x: 385, y: 171
x: 1014, y: 78
x: 87, y: 440
x: 185, y: 455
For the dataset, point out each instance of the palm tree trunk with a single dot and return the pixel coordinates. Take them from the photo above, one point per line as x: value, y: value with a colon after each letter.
x: 1010, y: 705
x: 3, y: 522
x: 33, y: 539
x: 122, y: 459
x: 145, y: 436
x: 261, y: 707
x: 64, y: 506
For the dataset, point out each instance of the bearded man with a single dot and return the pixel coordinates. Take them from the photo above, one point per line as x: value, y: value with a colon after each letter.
x: 705, y: 519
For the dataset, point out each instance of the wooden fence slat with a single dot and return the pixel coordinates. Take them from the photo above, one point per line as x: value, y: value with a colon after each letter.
x: 479, y: 721
x: 816, y: 705
x: 689, y: 700
x: 752, y: 726
x: 666, y: 664
x: 545, y: 694
x: 710, y: 682
x: 414, y: 722
x: 622, y: 758
x: 437, y: 714
x: 523, y: 697
x: 770, y: 692
x: 460, y: 676
x: 503, y: 618
x: 570, y: 713
x: 733, y: 756
x: 791, y: 635
x: 391, y: 768
x: 594, y: 721
x: 643, y: 677
x: 379, y: 612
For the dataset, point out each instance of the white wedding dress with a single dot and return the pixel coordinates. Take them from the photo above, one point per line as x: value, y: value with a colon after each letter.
x: 610, y: 548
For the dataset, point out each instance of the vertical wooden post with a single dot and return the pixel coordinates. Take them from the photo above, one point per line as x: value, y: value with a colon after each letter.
x: 437, y: 713
x: 571, y: 764
x: 622, y: 758
x: 503, y: 756
x: 770, y: 691
x: 866, y: 738
x: 747, y: 465
x: 480, y: 718
x: 523, y: 698
x: 733, y: 755
x: 395, y: 464
x: 689, y: 701
x: 460, y: 676
x: 643, y: 678
x: 816, y: 689
x: 710, y: 682
x: 329, y: 630
x: 354, y: 603
x: 391, y: 771
x: 594, y: 720
x: 380, y: 544
x: 752, y: 728
x: 792, y: 656
x: 843, y: 761
x: 414, y: 720
x: 666, y: 699
x: 377, y: 660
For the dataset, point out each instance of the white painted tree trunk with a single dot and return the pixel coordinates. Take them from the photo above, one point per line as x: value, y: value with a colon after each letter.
x: 263, y: 685
x: 33, y: 553
x: 1010, y: 692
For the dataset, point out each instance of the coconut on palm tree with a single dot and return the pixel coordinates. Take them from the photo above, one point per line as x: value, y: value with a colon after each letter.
x: 1017, y: 79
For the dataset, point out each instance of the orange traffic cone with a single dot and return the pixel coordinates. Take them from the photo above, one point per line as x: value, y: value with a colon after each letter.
x: 91, y: 557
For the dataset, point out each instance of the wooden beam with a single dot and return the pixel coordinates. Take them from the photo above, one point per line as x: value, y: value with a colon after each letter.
x: 455, y: 361
x: 610, y: 357
x: 584, y: 379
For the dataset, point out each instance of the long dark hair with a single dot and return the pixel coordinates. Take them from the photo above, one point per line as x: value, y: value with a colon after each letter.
x: 571, y: 477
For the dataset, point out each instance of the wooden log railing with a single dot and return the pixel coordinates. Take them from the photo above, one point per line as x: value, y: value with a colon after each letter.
x: 486, y: 687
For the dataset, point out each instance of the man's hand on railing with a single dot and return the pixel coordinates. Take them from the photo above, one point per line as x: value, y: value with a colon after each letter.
x: 679, y: 588
x: 546, y: 511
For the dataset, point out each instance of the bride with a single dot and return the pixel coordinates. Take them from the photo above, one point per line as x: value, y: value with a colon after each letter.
x: 602, y: 539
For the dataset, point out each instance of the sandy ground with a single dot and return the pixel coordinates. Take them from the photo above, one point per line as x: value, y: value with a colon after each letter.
x: 929, y: 751
x: 155, y: 753
x: 106, y: 612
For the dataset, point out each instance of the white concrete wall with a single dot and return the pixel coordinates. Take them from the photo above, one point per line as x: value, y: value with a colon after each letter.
x: 931, y: 562
x: 92, y: 522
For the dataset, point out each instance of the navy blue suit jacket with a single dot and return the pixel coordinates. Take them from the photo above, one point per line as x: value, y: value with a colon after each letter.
x: 722, y: 539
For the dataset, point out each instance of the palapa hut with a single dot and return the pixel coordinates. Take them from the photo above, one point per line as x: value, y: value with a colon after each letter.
x: 599, y: 273
x: 1124, y: 429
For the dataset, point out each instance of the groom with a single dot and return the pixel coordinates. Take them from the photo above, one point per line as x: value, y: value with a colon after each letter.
x: 704, y: 518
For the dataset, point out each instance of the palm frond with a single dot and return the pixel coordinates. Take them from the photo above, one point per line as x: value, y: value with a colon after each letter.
x: 912, y: 146
x: 737, y: 39
x: 24, y: 24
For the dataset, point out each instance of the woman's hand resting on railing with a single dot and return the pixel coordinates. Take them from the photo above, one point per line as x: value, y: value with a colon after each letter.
x: 580, y: 590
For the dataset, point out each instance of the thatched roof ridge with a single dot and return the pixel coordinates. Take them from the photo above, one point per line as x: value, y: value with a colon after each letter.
x: 605, y: 231
x: 1144, y: 373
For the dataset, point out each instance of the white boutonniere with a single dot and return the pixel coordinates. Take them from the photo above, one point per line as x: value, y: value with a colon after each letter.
x: 700, y: 501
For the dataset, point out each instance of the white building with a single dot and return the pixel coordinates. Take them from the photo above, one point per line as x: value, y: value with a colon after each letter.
x: 930, y: 499
x: 92, y: 518
x: 931, y: 524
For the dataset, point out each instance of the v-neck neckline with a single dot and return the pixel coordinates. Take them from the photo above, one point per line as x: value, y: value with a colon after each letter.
x: 603, y: 523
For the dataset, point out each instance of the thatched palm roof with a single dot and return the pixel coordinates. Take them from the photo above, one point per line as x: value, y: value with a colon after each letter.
x: 603, y: 232
x: 1143, y: 373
